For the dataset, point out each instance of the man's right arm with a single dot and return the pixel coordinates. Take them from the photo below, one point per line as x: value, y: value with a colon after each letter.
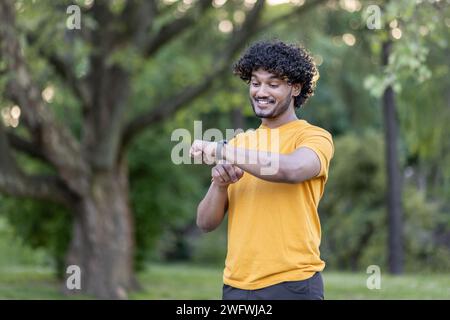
x: 212, y: 208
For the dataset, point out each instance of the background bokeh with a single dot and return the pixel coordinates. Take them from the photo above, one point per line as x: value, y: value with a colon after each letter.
x: 138, y: 70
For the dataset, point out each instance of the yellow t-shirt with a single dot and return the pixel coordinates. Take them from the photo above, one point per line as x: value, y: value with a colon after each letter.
x: 274, y: 228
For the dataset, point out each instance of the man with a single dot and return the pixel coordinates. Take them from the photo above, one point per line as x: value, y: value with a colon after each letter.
x: 273, y: 224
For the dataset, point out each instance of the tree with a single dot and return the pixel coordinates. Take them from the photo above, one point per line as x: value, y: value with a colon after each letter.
x: 89, y: 168
x: 394, y: 190
x: 401, y: 59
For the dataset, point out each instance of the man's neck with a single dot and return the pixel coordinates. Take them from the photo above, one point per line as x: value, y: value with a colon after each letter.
x: 282, y: 119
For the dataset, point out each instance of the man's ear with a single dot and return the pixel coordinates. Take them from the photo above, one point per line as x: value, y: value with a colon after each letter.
x: 296, y: 89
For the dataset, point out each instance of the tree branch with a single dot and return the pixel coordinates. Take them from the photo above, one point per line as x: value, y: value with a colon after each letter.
x: 14, y: 182
x: 294, y: 13
x: 161, y: 112
x: 48, y: 188
x: 250, y: 27
x: 139, y: 16
x: 67, y: 74
x: 27, y: 147
x: 237, y: 40
x: 57, y: 143
x: 103, y: 122
x: 165, y: 109
x: 176, y: 27
x: 109, y: 81
x: 62, y: 68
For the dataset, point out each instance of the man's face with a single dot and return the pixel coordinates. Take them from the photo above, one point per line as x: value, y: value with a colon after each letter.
x: 270, y: 96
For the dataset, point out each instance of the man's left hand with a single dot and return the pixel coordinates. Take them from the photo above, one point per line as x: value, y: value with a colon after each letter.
x: 205, y: 150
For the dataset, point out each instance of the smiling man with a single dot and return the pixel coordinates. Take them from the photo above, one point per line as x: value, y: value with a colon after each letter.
x: 273, y: 224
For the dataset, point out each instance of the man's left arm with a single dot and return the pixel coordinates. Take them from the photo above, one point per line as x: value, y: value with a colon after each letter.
x: 300, y: 165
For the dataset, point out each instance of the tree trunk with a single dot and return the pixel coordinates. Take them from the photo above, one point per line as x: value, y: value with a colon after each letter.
x: 394, y: 192
x: 103, y: 237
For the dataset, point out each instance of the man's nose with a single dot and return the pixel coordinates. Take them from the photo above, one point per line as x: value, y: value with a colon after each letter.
x: 261, y: 92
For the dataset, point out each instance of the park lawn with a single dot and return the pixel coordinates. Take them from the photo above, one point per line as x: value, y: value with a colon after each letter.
x: 25, y: 282
x: 185, y: 281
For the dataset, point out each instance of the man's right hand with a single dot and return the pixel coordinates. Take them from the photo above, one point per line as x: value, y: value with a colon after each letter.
x: 224, y: 174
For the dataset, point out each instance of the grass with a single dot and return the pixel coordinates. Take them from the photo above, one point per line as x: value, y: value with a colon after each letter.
x: 339, y: 285
x: 185, y: 281
x: 28, y: 283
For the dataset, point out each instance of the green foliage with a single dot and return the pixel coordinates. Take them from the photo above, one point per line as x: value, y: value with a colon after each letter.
x: 424, y: 115
x: 14, y: 252
x: 39, y: 225
x: 423, y: 220
x: 352, y: 207
x: 210, y: 248
x: 164, y: 196
x: 354, y: 218
x: 413, y: 22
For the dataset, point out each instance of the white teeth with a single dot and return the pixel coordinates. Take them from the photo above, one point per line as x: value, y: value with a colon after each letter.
x: 263, y: 101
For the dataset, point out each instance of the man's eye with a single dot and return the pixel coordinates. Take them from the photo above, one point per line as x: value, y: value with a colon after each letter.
x: 274, y: 85
x: 255, y: 84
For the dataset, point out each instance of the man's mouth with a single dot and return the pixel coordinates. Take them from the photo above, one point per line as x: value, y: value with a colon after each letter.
x: 264, y: 102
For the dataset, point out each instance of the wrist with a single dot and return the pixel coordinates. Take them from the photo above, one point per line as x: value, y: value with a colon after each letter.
x: 220, y: 150
x: 220, y: 187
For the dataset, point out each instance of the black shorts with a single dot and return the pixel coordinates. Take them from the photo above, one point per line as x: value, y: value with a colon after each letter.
x: 308, y: 289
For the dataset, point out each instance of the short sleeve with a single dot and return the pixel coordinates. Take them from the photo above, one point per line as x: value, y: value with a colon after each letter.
x: 234, y: 141
x: 241, y: 139
x: 321, y: 142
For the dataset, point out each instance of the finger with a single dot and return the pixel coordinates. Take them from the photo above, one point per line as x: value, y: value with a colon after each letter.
x: 196, y: 153
x: 208, y: 159
x: 223, y: 173
x: 197, y: 146
x: 194, y: 146
x: 216, y: 175
x: 231, y: 172
x: 239, y: 172
x: 209, y: 148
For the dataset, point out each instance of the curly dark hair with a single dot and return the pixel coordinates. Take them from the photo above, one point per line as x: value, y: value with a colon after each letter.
x: 287, y: 61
